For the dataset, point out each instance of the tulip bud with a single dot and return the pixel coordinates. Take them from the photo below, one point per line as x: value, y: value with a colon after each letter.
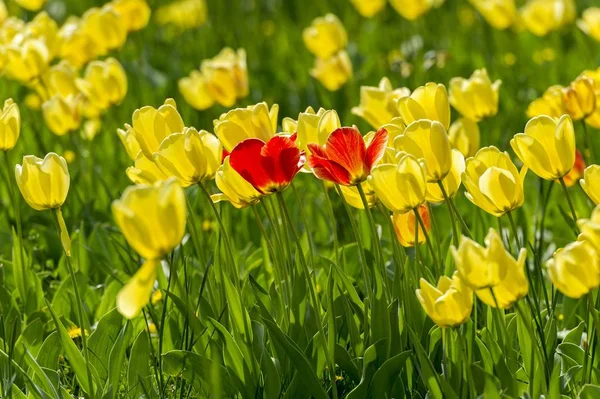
x: 464, y: 135
x: 151, y: 126
x: 234, y: 188
x: 254, y: 121
x: 575, y: 269
x: 334, y: 71
x: 590, y: 22
x: 500, y: 14
x: 378, y: 104
x: 449, y: 304
x: 368, y: 8
x: 62, y: 114
x: 405, y: 225
x: 591, y: 183
x: 426, y: 102
x: 44, y: 183
x: 580, y: 98
x: 135, y: 13
x: 475, y: 98
x: 10, y: 125
x: 325, y: 37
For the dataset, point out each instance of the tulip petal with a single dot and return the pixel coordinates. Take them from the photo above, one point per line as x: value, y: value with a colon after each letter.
x: 136, y: 293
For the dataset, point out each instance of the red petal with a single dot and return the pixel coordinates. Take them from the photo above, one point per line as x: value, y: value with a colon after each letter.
x: 317, y: 150
x: 282, y: 159
x: 245, y: 159
x: 376, y: 149
x: 325, y: 169
x: 224, y: 155
x: 346, y: 147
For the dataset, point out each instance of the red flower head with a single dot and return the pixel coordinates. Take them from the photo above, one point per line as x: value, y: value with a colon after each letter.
x: 576, y: 172
x: 345, y: 159
x: 270, y: 166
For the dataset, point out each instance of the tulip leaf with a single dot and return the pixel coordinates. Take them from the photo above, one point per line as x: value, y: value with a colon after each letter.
x: 139, y: 374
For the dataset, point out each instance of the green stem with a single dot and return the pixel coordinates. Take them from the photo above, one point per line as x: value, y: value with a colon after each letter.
x: 588, y: 144
x: 427, y: 240
x: 333, y: 222
x: 451, y: 212
x: 571, y: 207
x: 82, y: 322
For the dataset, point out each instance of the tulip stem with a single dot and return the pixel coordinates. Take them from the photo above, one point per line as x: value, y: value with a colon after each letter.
x: 58, y: 219
x: 591, y: 309
x: 311, y: 290
x: 571, y: 207
x: 588, y: 144
x: 333, y: 223
x: 451, y: 212
x: 427, y: 241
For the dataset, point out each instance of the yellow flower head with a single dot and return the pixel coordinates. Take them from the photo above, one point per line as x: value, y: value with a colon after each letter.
x: 194, y: 91
x: 541, y: 17
x: 105, y: 27
x: 27, y: 60
x: 184, y: 14
x: 401, y: 187
x: 493, y: 182
x: 405, y: 225
x: 135, y: 13
x: 334, y: 71
x: 550, y: 104
x: 234, y: 188
x: 145, y: 171
x: 579, y: 98
x: 590, y: 22
x: 427, y: 140
x: 225, y: 76
x: 62, y: 114
x: 152, y: 217
x: 254, y: 121
x: 127, y: 137
x: 325, y: 36
x: 352, y: 196
x: 104, y: 84
x: 547, y: 147
x: 426, y: 102
x: 368, y: 8
x: 500, y: 14
x: 449, y: 304
x: 464, y: 136
x: 151, y: 126
x: 10, y: 125
x: 59, y: 79
x: 590, y: 229
x: 378, y: 104
x: 313, y: 127
x: 44, y: 183
x: 31, y: 5
x: 475, y: 98
x: 413, y: 9
x: 43, y: 27
x: 451, y: 182
x: 77, y: 44
x: 575, y: 269
x: 192, y: 157
x: 591, y: 183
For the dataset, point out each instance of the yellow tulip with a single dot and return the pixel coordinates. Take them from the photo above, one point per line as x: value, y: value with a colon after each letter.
x: 11, y: 29
x: 315, y: 128
x: 493, y: 182
x: 449, y: 304
x: 541, y: 17
x: 395, y: 128
x: 10, y: 125
x: 26, y: 61
x: 451, y: 182
x: 427, y: 140
x: 103, y: 85
x: 194, y: 91
x: 325, y: 36
x: 151, y: 126
x: 550, y: 104
x: 43, y: 27
x: 590, y: 22
x: 352, y: 196
x: 145, y: 171
x: 413, y: 9
x: 62, y: 114
x: 368, y: 8
x: 226, y: 76
x: 105, y: 27
x: 378, y: 104
x: 547, y: 147
x: 31, y: 5
x: 91, y: 127
x: 254, y: 121
x: 44, y: 183
x: 405, y: 225
x: 590, y: 229
x: 575, y: 269
x: 184, y: 14
x: 77, y: 45
x: 135, y: 13
x: 500, y: 14
x: 464, y: 136
x: 127, y: 137
x: 426, y: 102
x: 591, y: 183
x: 580, y: 98
x: 152, y: 219
x: 401, y: 187
x: 492, y: 269
x: 59, y: 80
x: 192, y: 157
x: 475, y: 98
x: 234, y: 188
x: 334, y: 71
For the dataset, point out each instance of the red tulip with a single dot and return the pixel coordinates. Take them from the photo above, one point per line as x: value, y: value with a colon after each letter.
x: 270, y: 166
x: 345, y: 159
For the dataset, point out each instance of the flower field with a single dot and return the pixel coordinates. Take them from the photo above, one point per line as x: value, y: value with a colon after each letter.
x: 287, y: 199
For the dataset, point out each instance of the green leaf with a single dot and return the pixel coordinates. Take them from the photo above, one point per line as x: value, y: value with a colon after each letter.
x: 386, y: 376
x: 101, y: 342
x: 117, y: 358
x: 590, y: 392
x: 310, y: 380
x: 238, y: 313
x: 139, y: 374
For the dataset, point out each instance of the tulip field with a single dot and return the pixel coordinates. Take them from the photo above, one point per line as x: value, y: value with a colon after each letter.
x: 299, y: 199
